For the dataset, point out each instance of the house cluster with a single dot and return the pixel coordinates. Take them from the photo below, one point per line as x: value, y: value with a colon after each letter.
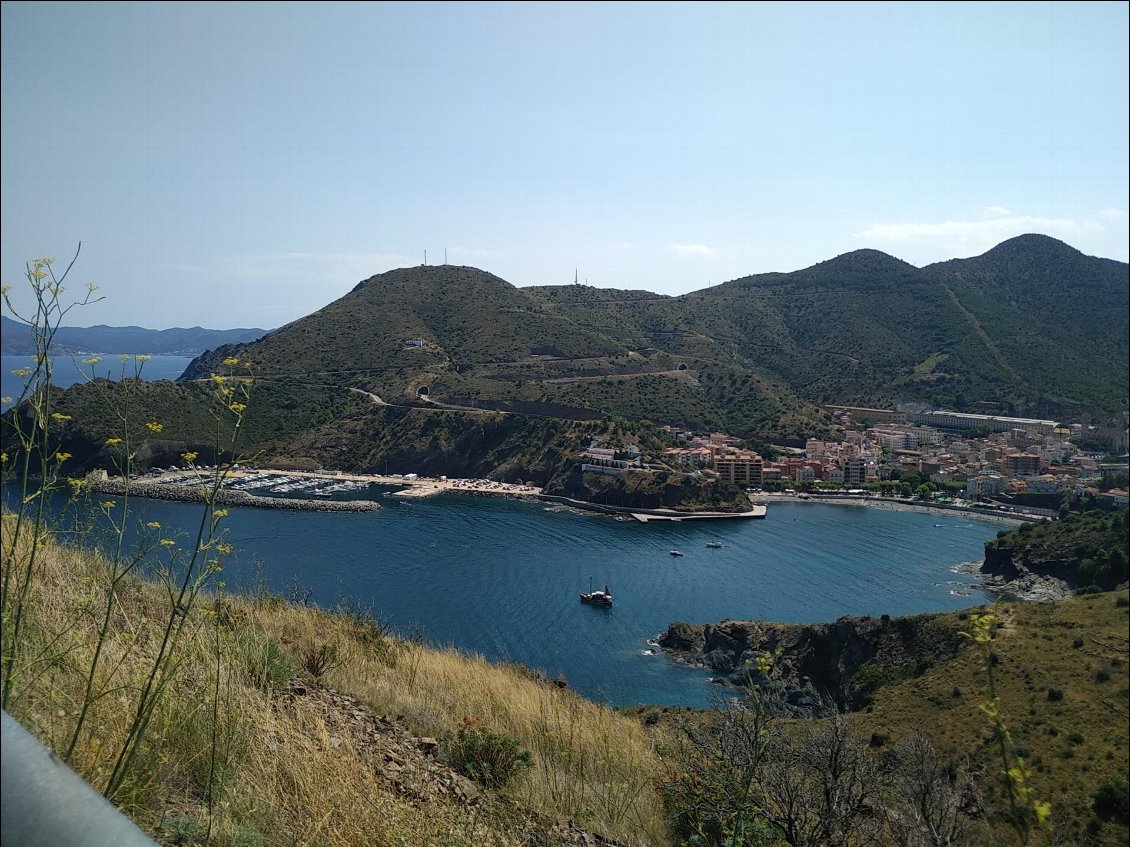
x: 988, y: 455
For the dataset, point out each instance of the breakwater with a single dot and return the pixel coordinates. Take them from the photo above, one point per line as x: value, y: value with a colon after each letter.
x: 225, y: 497
x: 647, y: 515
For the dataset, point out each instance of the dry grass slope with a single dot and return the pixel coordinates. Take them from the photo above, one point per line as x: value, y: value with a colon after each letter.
x: 1061, y: 674
x: 309, y: 763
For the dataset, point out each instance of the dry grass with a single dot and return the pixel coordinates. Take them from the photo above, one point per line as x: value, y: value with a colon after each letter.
x: 591, y: 763
x: 279, y: 774
x: 1072, y: 744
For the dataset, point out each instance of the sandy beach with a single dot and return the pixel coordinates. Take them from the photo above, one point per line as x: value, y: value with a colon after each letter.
x: 903, y: 505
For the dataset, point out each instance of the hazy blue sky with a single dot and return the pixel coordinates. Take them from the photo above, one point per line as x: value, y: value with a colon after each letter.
x: 243, y: 165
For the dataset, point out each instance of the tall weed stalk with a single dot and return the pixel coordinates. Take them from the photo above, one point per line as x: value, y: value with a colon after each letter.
x: 34, y: 429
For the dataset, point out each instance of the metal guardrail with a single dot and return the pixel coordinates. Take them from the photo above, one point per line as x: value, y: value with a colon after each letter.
x: 43, y: 803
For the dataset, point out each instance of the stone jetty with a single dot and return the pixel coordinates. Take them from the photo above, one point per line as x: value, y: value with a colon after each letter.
x: 197, y: 494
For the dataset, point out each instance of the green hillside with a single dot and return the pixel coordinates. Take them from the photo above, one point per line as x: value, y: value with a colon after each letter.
x: 1033, y: 327
x: 468, y: 338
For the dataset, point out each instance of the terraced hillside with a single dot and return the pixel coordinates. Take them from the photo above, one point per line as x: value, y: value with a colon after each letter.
x: 1031, y: 327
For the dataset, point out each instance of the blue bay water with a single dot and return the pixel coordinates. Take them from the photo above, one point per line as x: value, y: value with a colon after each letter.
x: 68, y: 370
x: 502, y: 578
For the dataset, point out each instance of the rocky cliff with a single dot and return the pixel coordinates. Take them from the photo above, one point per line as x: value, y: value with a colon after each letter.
x: 1052, y: 559
x: 818, y: 668
x: 647, y: 490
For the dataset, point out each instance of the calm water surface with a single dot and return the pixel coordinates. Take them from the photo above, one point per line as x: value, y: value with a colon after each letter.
x: 502, y: 577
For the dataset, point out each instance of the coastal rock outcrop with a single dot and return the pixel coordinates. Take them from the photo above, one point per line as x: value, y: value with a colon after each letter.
x: 818, y: 668
x: 1048, y: 561
x: 637, y: 489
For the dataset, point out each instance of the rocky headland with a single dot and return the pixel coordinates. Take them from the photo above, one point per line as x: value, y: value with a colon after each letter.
x: 815, y: 669
x: 637, y: 489
x: 1049, y: 561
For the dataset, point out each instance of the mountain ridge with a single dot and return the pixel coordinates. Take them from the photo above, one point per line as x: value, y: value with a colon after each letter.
x: 863, y: 328
x: 102, y: 338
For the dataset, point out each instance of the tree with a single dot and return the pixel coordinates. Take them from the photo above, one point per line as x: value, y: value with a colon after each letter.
x: 821, y: 787
x: 928, y: 797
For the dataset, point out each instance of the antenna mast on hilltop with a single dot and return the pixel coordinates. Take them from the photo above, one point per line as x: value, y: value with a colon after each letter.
x: 574, y: 276
x: 445, y: 255
x: 425, y: 257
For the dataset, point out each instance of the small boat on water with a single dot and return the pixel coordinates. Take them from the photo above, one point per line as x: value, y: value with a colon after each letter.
x: 939, y: 524
x: 676, y: 553
x: 714, y: 544
x: 597, y: 598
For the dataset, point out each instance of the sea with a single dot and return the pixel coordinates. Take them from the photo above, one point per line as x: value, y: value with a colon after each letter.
x: 502, y: 578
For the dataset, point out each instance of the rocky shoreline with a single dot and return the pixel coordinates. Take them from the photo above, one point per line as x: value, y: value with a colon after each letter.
x: 1027, y: 586
x: 225, y: 497
x: 816, y: 669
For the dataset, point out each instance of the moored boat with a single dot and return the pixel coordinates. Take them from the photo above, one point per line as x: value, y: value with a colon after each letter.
x: 714, y: 544
x: 597, y: 598
x: 676, y: 552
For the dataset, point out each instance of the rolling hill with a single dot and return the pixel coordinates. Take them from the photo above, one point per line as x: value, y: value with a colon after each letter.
x: 1031, y: 327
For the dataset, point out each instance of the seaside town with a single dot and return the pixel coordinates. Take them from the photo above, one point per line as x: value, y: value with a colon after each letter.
x: 937, y: 454
x: 1012, y: 465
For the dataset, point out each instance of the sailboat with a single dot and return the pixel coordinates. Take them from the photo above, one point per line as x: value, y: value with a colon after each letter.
x: 597, y: 598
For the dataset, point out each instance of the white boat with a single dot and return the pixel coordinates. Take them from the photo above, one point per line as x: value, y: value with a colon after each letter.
x: 714, y: 544
x: 597, y: 598
x: 676, y: 553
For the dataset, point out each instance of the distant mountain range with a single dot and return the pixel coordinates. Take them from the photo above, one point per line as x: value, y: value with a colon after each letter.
x: 17, y: 340
x: 1032, y: 327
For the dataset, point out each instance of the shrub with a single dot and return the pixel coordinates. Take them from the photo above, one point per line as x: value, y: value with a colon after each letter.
x: 317, y: 660
x: 1102, y: 675
x: 1055, y: 693
x: 267, y: 665
x: 1112, y: 801
x: 1121, y: 602
x: 489, y: 758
